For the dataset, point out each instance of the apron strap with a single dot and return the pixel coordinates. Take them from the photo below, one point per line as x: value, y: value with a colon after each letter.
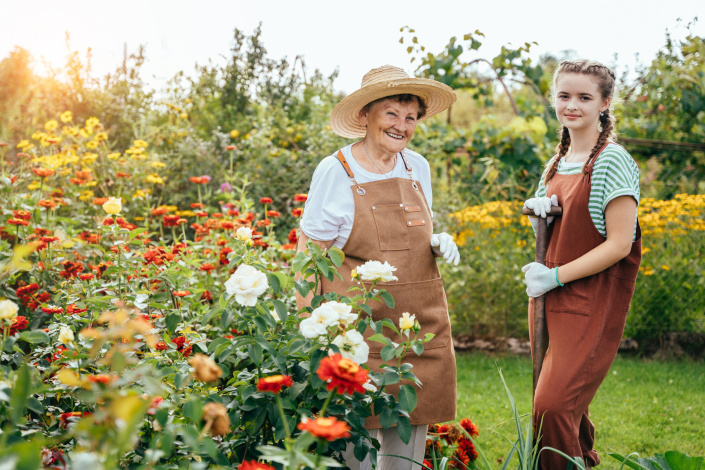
x: 409, y: 171
x: 349, y: 171
x: 587, y: 169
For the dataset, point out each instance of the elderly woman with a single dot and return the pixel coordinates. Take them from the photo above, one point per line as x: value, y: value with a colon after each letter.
x: 373, y: 200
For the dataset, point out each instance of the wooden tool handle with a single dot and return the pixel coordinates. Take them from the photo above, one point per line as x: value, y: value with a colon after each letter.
x: 555, y: 210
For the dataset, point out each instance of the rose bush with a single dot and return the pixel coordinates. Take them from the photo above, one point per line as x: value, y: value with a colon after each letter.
x: 137, y: 334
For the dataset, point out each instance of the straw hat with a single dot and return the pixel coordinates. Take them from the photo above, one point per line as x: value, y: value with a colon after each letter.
x: 387, y: 81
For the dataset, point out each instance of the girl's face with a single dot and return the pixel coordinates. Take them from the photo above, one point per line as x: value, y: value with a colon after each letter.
x: 579, y: 101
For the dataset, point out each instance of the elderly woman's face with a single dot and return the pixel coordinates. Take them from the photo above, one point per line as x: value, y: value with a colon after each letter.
x: 390, y: 124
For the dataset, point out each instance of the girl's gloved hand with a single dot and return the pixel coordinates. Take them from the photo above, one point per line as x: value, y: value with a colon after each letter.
x: 443, y: 244
x: 539, y: 279
x: 542, y: 205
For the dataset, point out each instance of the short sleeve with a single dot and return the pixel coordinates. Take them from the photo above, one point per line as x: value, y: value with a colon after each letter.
x: 615, y: 174
x: 329, y: 202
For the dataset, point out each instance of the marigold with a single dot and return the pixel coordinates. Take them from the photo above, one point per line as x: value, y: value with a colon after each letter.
x: 342, y: 374
x: 329, y: 429
x: 274, y: 383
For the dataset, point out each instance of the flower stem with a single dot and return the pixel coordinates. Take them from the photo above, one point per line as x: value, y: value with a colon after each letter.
x: 328, y: 400
x: 281, y: 412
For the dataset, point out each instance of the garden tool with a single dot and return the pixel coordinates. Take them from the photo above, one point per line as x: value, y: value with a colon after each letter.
x: 540, y: 332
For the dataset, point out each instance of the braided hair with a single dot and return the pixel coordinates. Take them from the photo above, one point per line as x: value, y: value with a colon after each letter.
x: 606, y: 83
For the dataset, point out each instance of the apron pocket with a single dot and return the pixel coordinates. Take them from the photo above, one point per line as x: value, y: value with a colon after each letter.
x: 391, y: 227
x: 576, y: 297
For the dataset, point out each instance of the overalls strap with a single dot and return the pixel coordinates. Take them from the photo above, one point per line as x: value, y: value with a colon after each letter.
x: 348, y: 170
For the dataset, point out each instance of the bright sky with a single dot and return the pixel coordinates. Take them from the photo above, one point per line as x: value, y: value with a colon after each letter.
x: 350, y: 36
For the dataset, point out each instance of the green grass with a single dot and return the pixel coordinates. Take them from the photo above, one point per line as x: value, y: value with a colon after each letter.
x: 642, y: 406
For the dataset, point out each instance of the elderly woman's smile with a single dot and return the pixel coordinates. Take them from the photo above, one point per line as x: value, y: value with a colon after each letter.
x: 390, y: 126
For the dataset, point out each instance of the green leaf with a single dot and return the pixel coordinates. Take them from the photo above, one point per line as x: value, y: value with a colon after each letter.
x: 18, y: 397
x: 387, y: 352
x: 281, y: 310
x: 193, y: 410
x: 388, y: 299
x: 379, y: 338
x: 388, y: 418
x: 35, y: 336
x: 302, y: 287
x: 366, y: 308
x: 680, y: 461
x: 417, y: 348
x: 300, y: 261
x: 323, y: 267
x: 172, y: 321
x: 256, y: 352
x: 135, y: 232
x: 390, y: 378
x: 407, y: 398
x: 274, y: 283
x: 227, y: 317
x: 254, y: 420
x: 404, y: 429
x: 336, y: 256
x: 217, y: 342
x: 35, y: 405
x: 282, y: 278
x: 222, y: 301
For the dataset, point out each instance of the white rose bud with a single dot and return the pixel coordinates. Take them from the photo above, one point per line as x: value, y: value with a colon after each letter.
x: 353, y: 346
x: 113, y: 205
x: 8, y: 309
x: 246, y: 285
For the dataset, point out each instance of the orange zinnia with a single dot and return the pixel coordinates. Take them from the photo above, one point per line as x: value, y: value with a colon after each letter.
x: 274, y: 214
x: 43, y: 172
x: 300, y: 197
x: 254, y: 465
x: 48, y: 203
x: 266, y: 200
x: 181, y: 293
x: 198, y: 179
x: 329, y: 429
x: 22, y: 214
x: 274, y: 383
x: 297, y: 212
x: 342, y: 374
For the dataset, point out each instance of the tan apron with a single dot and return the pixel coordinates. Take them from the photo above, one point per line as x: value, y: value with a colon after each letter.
x: 585, y: 321
x: 393, y: 223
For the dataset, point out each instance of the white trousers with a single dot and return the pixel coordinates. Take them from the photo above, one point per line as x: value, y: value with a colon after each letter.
x: 390, y: 445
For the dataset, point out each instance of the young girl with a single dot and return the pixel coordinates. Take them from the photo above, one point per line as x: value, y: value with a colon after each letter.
x: 592, y: 260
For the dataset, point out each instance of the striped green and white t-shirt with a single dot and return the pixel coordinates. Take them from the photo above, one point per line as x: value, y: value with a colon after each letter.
x: 614, y: 174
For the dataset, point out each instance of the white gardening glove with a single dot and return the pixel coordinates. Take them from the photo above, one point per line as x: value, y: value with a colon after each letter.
x: 443, y: 244
x: 539, y: 279
x: 540, y: 206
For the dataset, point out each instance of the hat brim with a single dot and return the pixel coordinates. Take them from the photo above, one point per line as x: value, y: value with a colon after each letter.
x: 344, y: 120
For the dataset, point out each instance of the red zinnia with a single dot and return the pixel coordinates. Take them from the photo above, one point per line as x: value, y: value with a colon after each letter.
x: 18, y: 222
x: 342, y: 374
x: 160, y: 346
x: 274, y: 383
x: 329, y: 429
x: 20, y: 214
x: 74, y: 309
x: 274, y: 214
x: 52, y: 310
x: 266, y: 200
x: 297, y: 212
x: 469, y: 427
x: 161, y: 210
x: 292, y: 236
x: 181, y: 293
x: 230, y: 147
x: 18, y: 323
x: 301, y: 197
x: 170, y: 220
x: 86, y: 276
x: 199, y: 179
x: 207, y: 267
x: 101, y: 378
x: 122, y: 175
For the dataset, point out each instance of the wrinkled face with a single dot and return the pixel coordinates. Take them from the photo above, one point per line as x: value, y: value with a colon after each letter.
x: 578, y: 101
x: 390, y: 125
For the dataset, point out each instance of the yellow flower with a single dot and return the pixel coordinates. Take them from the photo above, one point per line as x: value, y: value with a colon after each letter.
x: 353, y: 274
x: 84, y: 133
x: 51, y: 125
x: 39, y: 135
x: 183, y: 115
x: 92, y: 144
x: 100, y: 136
x: 87, y: 195
x: 72, y: 131
x: 34, y: 185
x: 66, y: 116
x: 154, y: 179
x: 665, y: 267
x: 140, y: 194
x: 140, y: 143
x: 234, y: 133
x: 114, y: 156
x: 23, y: 144
x: 406, y: 322
x: 158, y: 164
x: 89, y: 158
x: 113, y: 206
x: 92, y: 122
x: 65, y: 335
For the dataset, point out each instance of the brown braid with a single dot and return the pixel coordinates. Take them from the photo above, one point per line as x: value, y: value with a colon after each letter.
x: 606, y: 82
x: 561, y: 150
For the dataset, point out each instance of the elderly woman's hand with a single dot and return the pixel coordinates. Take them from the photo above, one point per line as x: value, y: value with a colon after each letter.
x: 443, y: 245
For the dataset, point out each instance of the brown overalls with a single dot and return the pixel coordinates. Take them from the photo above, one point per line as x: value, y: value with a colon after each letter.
x: 393, y: 223
x: 585, y: 320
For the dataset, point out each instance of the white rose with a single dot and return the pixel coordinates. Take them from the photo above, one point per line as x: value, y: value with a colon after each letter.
x: 406, y: 321
x: 344, y: 311
x: 352, y: 346
x: 8, y: 309
x: 376, y: 271
x: 319, y: 321
x: 246, y: 285
x: 244, y: 234
x: 65, y: 335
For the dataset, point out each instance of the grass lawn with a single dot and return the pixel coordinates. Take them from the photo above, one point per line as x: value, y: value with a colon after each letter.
x: 642, y: 406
